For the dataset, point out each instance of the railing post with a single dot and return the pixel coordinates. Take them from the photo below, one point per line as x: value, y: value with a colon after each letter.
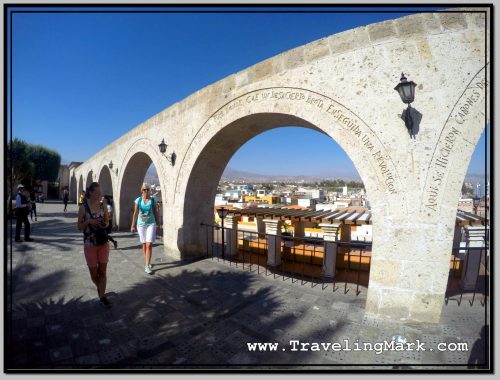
x: 475, y: 238
x: 298, y: 229
x: 261, y: 227
x: 231, y: 235
x: 330, y: 233
x: 345, y: 232
x: 273, y: 228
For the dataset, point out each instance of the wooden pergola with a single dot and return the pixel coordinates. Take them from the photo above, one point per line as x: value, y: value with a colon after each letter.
x: 355, y: 215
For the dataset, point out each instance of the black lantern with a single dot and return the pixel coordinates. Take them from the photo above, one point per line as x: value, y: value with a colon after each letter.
x: 222, y: 212
x: 162, y: 146
x: 163, y: 149
x: 406, y: 91
x: 110, y: 165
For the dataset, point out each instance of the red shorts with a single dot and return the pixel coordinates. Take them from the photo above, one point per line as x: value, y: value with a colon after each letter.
x: 96, y: 254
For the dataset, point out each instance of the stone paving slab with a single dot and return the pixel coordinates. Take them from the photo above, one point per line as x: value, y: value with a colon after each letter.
x: 196, y: 314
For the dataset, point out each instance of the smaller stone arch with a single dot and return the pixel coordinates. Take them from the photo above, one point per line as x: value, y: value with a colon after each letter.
x: 80, y: 186
x: 133, y: 169
x: 132, y: 179
x: 90, y: 179
x: 73, y: 189
x: 106, y: 181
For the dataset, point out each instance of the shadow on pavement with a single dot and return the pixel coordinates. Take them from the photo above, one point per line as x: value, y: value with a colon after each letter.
x: 189, y: 319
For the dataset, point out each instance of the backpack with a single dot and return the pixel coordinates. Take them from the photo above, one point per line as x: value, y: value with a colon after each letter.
x: 98, y: 236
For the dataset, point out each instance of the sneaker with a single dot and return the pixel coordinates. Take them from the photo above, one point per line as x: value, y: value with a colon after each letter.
x: 29, y: 239
x: 105, y: 302
x: 115, y: 244
x: 148, y: 269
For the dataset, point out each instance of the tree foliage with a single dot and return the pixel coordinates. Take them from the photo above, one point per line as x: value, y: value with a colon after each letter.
x: 22, y: 168
x: 46, y: 161
x: 30, y: 163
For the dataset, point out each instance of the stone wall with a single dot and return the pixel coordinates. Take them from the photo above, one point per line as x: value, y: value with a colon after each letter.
x: 343, y: 86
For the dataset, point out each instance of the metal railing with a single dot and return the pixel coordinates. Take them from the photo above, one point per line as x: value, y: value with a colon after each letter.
x: 302, y: 259
x: 296, y: 258
x: 469, y: 275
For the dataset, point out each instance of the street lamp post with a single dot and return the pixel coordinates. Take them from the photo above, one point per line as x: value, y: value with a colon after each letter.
x: 222, y: 212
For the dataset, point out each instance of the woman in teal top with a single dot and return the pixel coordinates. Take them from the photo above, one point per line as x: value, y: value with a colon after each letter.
x: 146, y: 216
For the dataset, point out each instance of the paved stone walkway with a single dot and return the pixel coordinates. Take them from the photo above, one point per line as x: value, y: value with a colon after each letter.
x: 197, y: 314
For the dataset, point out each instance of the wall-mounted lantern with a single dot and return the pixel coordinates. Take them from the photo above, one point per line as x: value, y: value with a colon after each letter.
x: 163, y: 149
x: 406, y: 91
x: 110, y: 165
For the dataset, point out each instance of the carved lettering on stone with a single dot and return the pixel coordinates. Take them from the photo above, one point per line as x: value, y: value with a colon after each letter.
x: 358, y: 132
x: 469, y: 104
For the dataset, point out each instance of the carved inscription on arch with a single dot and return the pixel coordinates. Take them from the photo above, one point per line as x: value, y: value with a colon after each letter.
x: 468, y: 106
x: 360, y: 132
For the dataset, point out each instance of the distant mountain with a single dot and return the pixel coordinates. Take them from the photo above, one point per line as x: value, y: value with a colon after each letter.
x: 231, y: 174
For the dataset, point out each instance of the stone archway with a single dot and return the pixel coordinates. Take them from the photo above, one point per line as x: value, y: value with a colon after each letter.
x: 140, y: 159
x: 258, y: 111
x: 73, y: 190
x: 215, y: 153
x: 80, y: 186
x: 90, y: 179
x: 105, y: 181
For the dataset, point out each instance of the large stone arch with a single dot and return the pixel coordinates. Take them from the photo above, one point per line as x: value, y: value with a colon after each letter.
x: 135, y: 164
x: 253, y: 113
x: 342, y: 85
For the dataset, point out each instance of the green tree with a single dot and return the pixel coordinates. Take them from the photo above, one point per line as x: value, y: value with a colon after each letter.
x: 18, y: 161
x: 29, y: 163
x: 46, y: 161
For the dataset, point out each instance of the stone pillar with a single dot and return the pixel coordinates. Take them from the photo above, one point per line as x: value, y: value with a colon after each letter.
x: 273, y: 228
x: 345, y: 232
x: 298, y: 229
x: 330, y: 233
x: 231, y: 235
x: 261, y: 227
x: 475, y: 237
x: 457, y: 239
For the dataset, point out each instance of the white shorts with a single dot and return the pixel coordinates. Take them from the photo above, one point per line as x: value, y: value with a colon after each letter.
x: 147, y: 233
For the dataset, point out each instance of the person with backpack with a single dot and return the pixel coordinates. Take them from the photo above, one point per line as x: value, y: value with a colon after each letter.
x: 23, y: 205
x: 109, y: 202
x: 146, y: 216
x: 93, y: 220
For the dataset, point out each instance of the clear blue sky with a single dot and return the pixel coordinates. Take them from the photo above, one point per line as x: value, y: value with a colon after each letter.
x: 82, y: 80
